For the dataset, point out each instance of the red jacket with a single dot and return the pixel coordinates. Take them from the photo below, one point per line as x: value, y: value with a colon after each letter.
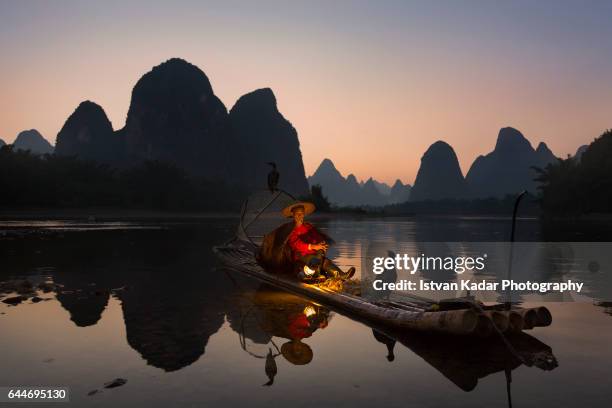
x: 300, y: 327
x: 300, y: 237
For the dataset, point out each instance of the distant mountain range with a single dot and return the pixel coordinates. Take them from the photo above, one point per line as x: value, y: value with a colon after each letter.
x: 33, y: 141
x: 580, y: 151
x: 348, y: 191
x: 508, y: 169
x: 174, y: 116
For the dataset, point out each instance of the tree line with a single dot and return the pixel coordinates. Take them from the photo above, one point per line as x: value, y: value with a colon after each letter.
x: 50, y: 181
x: 579, y: 185
x: 568, y: 187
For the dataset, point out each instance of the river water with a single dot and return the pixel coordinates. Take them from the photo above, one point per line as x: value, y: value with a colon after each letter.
x: 149, y: 302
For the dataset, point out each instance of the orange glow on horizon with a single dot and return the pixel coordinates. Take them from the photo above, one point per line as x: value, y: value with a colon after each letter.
x: 370, y: 98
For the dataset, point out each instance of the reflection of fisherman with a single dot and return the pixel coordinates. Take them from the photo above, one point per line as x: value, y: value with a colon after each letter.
x: 308, y: 246
x: 300, y: 326
x: 268, y: 314
x: 292, y: 318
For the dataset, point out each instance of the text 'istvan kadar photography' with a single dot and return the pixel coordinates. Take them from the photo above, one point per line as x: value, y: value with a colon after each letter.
x: 306, y: 204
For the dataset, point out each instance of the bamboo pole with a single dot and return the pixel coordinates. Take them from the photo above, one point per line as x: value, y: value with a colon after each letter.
x: 530, y: 318
x: 544, y: 316
x: 499, y: 319
x: 399, y: 305
x: 515, y: 321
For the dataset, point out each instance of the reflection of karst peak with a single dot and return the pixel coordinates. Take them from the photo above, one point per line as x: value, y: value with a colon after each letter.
x: 170, y: 329
x: 84, y: 296
x: 171, y: 312
x: 85, y: 306
x: 171, y: 298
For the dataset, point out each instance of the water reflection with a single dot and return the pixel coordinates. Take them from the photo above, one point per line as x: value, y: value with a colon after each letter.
x: 169, y: 323
x: 79, y: 298
x: 279, y: 322
x: 389, y: 342
x: 607, y: 307
x: 174, y: 299
x: 465, y: 361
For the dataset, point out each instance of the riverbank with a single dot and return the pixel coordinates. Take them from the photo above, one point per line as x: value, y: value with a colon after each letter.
x: 107, y: 214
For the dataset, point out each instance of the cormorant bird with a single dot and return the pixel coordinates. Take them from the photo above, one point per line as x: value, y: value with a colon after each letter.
x: 387, y: 341
x: 271, y: 369
x: 273, y: 177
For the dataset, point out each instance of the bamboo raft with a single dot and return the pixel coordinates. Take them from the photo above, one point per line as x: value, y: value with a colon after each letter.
x: 463, y: 317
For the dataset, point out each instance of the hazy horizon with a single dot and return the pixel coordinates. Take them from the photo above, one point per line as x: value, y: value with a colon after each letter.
x: 369, y: 86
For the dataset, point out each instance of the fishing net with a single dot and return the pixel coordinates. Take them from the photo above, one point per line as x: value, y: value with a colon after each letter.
x: 261, y: 214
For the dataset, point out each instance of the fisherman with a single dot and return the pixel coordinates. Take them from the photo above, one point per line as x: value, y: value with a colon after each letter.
x: 309, y: 246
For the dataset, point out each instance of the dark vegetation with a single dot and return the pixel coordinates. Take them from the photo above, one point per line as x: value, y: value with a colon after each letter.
x: 575, y: 186
x: 493, y: 206
x: 318, y: 199
x: 323, y: 205
x: 51, y: 181
x: 568, y: 187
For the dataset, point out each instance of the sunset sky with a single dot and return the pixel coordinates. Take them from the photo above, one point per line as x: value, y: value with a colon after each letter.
x: 369, y: 85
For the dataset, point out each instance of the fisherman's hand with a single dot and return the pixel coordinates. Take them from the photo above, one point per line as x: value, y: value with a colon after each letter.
x: 323, y: 246
x: 314, y: 247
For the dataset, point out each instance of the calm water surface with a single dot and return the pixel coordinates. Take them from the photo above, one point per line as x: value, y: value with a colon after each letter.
x: 151, y: 304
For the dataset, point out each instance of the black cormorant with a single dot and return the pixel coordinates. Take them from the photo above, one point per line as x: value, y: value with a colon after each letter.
x: 273, y: 177
x: 271, y: 369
